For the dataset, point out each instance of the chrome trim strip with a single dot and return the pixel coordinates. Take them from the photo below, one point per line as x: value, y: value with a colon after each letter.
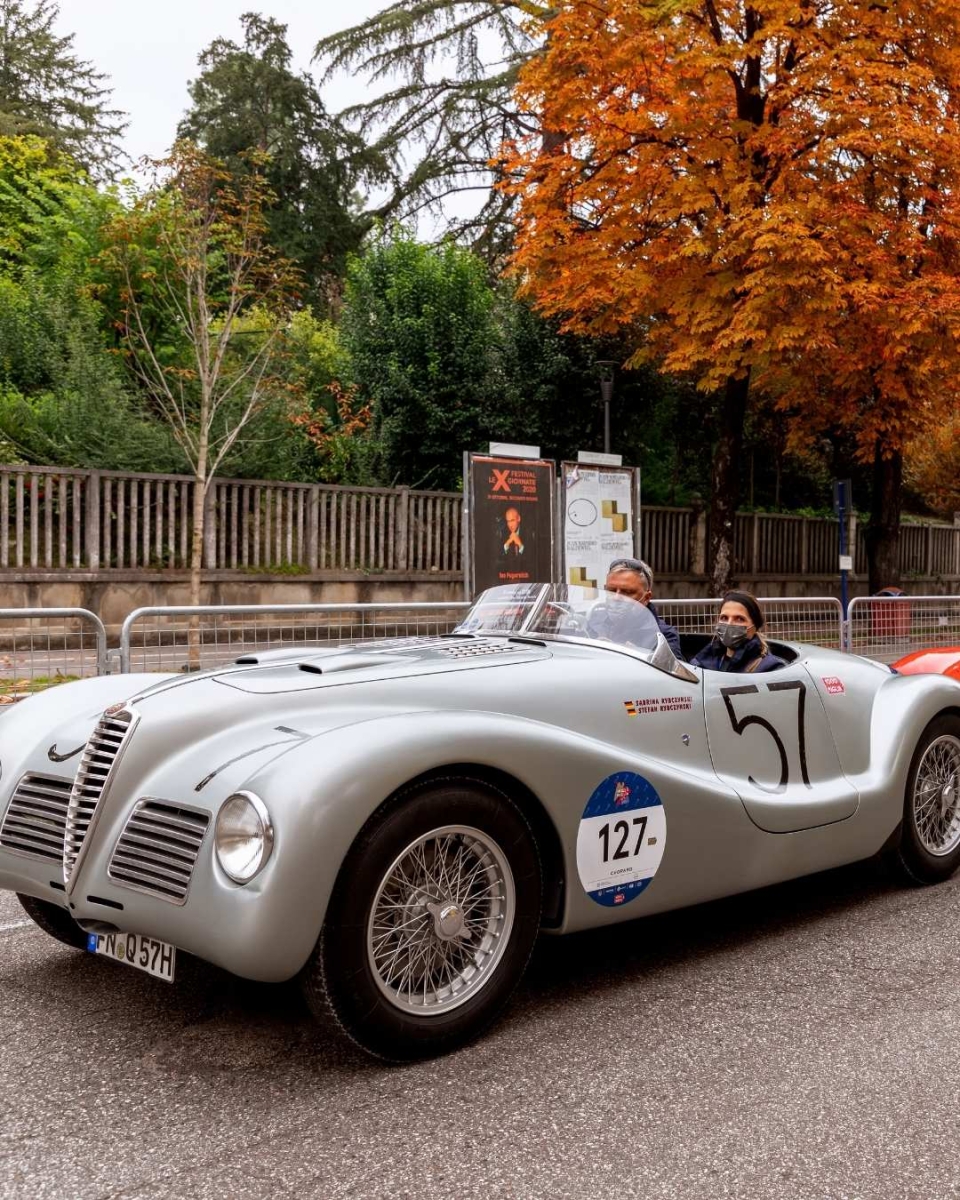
x: 101, y: 755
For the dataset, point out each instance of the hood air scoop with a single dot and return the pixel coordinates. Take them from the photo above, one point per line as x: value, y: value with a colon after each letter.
x: 344, y: 662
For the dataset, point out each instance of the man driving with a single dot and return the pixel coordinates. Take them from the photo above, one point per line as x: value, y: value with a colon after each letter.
x: 632, y: 577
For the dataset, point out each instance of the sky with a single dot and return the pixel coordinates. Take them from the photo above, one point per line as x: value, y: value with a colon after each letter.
x: 149, y: 51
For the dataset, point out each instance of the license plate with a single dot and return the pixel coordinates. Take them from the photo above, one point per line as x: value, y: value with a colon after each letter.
x: 144, y: 953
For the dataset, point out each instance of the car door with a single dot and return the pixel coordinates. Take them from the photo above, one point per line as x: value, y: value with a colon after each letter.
x: 770, y: 740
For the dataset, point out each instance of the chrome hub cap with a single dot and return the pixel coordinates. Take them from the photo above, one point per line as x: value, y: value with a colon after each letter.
x: 441, y: 920
x: 937, y: 797
x: 448, y: 920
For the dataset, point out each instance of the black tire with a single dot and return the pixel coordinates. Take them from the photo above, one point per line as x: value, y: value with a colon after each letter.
x: 929, y: 846
x: 55, y: 921
x: 494, y: 850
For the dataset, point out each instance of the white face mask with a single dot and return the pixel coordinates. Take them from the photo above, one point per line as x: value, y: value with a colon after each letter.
x: 731, y: 636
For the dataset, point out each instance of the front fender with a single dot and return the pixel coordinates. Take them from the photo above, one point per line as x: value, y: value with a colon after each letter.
x: 322, y: 792
x: 62, y: 716
x: 942, y: 661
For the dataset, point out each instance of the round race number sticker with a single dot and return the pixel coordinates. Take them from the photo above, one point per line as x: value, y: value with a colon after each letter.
x: 623, y: 832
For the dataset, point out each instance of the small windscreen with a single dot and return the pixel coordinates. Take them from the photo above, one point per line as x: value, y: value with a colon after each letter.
x: 562, y: 611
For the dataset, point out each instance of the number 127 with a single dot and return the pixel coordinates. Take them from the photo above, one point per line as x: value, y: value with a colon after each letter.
x: 623, y: 829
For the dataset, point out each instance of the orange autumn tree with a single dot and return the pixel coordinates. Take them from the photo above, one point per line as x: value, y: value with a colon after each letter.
x: 763, y: 195
x: 932, y: 468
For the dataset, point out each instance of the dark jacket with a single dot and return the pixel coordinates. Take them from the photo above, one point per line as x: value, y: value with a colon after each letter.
x: 713, y: 657
x: 668, y: 631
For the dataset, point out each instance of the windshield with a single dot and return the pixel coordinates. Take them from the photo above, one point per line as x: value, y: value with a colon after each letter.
x: 562, y: 611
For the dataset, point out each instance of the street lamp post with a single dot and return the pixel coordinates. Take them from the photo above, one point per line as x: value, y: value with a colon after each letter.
x: 606, y: 367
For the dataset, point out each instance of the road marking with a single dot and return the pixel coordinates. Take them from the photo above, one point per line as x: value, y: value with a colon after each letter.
x: 14, y: 925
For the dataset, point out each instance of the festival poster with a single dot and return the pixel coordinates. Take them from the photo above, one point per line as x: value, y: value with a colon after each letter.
x: 511, y: 520
x: 599, y: 521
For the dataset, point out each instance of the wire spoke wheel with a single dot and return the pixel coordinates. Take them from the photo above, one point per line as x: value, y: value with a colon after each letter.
x: 440, y: 920
x: 936, y: 806
x: 431, y: 923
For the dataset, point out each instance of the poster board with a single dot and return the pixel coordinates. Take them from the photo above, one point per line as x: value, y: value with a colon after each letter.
x: 600, y: 516
x: 509, y: 521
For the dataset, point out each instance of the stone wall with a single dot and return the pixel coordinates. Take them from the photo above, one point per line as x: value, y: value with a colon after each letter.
x: 112, y: 595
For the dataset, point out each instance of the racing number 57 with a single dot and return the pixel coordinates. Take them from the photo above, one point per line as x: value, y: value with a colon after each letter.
x: 741, y: 723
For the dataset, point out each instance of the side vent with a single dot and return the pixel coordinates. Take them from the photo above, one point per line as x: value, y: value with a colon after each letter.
x: 158, y: 849
x: 36, y: 819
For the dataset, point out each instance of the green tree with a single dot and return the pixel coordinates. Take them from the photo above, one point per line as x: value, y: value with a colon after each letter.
x: 64, y: 398
x: 195, y: 249
x: 449, y: 361
x: 417, y: 325
x: 247, y: 97
x: 46, y: 90
x: 276, y: 443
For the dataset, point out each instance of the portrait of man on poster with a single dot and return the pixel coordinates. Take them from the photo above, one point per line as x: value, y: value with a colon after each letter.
x: 513, y: 546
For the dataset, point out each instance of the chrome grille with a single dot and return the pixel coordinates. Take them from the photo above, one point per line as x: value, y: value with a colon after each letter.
x: 158, y: 849
x: 36, y: 819
x: 100, y: 756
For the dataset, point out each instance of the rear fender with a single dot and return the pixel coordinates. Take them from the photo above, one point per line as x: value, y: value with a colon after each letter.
x: 904, y: 706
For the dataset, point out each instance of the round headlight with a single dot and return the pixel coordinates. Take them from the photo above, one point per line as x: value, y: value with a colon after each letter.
x: 244, y: 836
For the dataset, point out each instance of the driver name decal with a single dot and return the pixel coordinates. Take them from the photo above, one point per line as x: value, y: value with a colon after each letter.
x: 622, y: 835
x: 655, y: 704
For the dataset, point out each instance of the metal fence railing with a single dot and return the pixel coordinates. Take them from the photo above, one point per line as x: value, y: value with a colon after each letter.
x: 64, y: 520
x: 888, y: 627
x: 44, y: 646
x: 174, y: 639
x: 817, y: 620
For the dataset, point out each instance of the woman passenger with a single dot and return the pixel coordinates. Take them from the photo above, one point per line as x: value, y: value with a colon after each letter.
x: 738, y: 645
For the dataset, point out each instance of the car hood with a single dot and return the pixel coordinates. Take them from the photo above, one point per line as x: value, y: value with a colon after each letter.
x: 243, y: 716
x: 307, y: 670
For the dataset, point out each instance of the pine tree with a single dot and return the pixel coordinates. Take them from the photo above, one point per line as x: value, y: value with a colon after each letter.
x: 45, y: 89
x: 439, y: 128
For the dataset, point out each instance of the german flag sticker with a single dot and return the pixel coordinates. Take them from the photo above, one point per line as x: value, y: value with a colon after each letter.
x: 631, y: 707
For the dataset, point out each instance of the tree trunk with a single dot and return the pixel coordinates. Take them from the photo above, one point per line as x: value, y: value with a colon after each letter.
x: 196, y: 543
x: 726, y: 482
x: 883, y: 531
x: 196, y: 567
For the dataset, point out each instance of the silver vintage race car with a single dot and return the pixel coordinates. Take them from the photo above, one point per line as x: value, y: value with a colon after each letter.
x: 394, y: 822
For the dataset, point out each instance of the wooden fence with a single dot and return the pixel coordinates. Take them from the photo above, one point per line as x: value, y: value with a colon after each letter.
x: 61, y: 520
x: 57, y: 520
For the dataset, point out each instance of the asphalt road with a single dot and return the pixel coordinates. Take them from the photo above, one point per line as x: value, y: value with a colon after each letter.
x: 800, y: 1042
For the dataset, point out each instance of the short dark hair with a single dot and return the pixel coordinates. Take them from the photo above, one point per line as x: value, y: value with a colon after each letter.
x: 637, y: 565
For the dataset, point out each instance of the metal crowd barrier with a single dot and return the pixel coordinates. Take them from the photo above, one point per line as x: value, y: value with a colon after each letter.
x: 44, y: 646
x: 817, y: 620
x: 208, y: 635
x: 886, y: 628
